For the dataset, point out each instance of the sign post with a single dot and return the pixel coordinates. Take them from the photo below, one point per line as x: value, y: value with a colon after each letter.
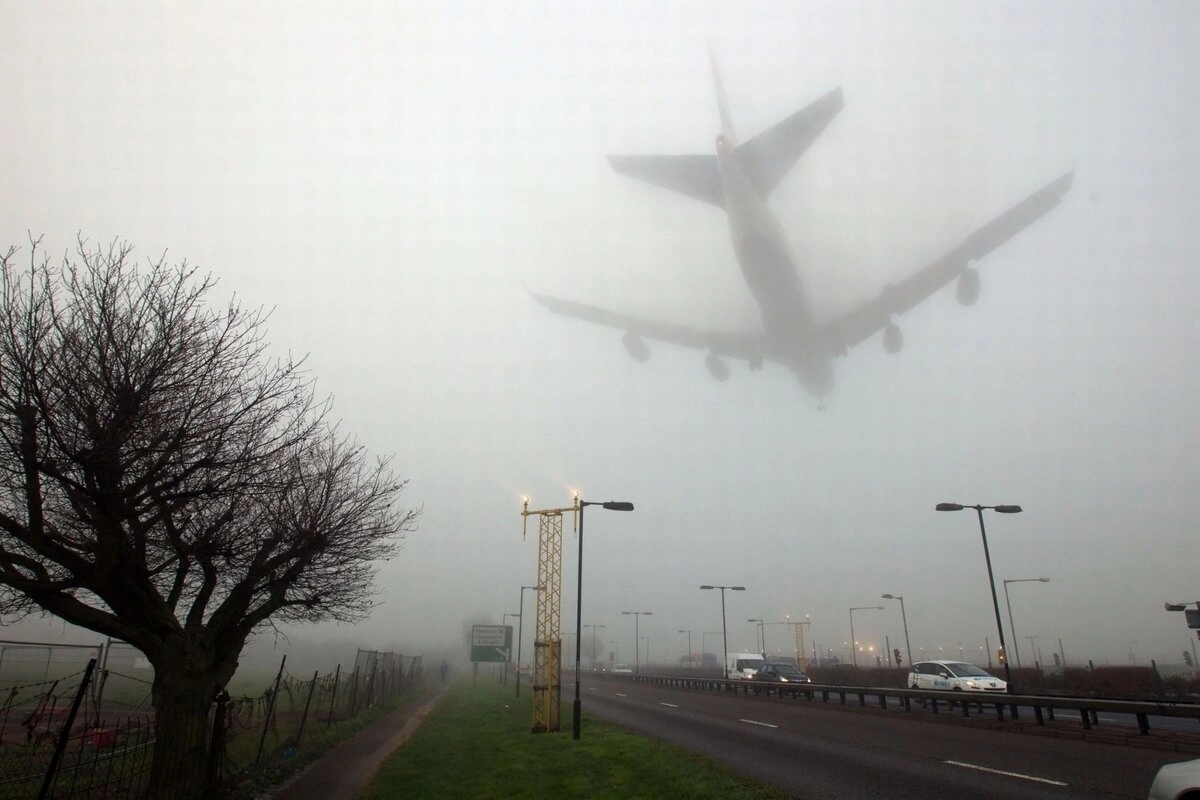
x: 491, y: 643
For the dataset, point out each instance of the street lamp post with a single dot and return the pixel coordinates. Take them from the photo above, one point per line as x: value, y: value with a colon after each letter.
x: 904, y: 619
x: 593, y: 627
x: 520, y: 629
x: 1032, y: 648
x: 610, y: 505
x: 1011, y: 628
x: 1002, y: 509
x: 637, y: 640
x: 853, y: 642
x: 689, y: 652
x: 760, y: 640
x: 724, y: 630
x: 504, y: 623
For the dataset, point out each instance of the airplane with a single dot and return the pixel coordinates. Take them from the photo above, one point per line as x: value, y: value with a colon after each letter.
x: 740, y: 178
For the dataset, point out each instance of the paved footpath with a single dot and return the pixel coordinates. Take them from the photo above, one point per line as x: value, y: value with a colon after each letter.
x: 347, y: 769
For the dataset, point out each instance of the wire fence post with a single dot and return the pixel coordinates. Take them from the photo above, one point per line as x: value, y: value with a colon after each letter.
x: 304, y: 716
x: 337, y: 674
x: 65, y: 734
x: 270, y: 711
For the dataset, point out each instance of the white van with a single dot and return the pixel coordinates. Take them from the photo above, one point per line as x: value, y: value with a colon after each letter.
x: 742, y: 666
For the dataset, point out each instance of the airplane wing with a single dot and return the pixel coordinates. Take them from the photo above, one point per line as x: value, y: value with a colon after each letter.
x: 696, y: 176
x: 770, y: 155
x: 861, y: 323
x: 746, y: 347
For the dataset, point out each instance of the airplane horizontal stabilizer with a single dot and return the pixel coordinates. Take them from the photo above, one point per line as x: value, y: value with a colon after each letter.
x: 769, y: 156
x: 696, y: 176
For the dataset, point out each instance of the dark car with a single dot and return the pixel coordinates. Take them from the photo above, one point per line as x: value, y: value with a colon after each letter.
x: 780, y: 673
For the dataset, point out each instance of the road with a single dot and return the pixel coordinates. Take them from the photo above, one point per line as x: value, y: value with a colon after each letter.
x: 813, y: 750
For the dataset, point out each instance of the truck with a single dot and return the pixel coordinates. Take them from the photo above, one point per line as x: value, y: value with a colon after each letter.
x: 742, y: 666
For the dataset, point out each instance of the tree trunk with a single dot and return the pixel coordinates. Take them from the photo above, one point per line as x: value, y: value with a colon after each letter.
x: 182, y: 736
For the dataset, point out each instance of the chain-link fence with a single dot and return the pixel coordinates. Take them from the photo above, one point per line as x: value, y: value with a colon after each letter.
x: 92, y: 733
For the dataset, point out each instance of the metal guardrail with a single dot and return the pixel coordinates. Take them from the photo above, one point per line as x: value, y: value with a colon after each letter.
x: 1044, y: 706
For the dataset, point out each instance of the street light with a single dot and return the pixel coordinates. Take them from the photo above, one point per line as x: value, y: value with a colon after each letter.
x: 610, y: 505
x: 593, y: 627
x: 991, y: 580
x: 520, y: 630
x: 704, y: 643
x: 637, y: 639
x: 1011, y: 628
x: 689, y: 653
x: 759, y: 635
x: 724, y: 630
x: 904, y: 618
x: 853, y: 642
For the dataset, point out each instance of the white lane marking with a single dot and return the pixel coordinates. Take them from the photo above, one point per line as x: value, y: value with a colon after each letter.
x: 669, y: 705
x: 1002, y: 772
x: 1106, y: 719
x: 755, y: 722
x: 620, y: 695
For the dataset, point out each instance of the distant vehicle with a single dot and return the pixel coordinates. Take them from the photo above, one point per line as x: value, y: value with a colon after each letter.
x: 742, y: 666
x: 1180, y: 781
x: 780, y: 673
x: 622, y: 669
x: 710, y: 660
x: 955, y: 676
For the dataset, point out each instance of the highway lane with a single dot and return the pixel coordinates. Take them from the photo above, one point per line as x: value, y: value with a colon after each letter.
x: 816, y: 751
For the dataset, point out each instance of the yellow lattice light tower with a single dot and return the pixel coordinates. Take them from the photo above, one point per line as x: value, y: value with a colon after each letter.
x: 547, y: 637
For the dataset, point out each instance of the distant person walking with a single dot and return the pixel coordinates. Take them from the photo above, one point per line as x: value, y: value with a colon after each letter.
x: 442, y: 669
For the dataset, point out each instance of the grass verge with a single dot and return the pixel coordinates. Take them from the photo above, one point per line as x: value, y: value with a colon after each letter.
x: 477, y: 743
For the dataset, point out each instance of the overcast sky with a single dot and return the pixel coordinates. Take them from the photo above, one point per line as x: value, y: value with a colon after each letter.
x: 392, y: 178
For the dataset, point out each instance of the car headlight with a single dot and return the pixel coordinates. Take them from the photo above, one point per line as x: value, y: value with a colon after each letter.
x: 971, y: 684
x: 782, y: 679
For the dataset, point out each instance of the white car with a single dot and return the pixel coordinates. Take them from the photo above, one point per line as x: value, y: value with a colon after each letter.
x: 955, y: 676
x: 622, y: 669
x: 1179, y: 781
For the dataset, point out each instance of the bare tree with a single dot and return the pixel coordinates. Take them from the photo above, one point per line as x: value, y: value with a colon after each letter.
x: 164, y: 482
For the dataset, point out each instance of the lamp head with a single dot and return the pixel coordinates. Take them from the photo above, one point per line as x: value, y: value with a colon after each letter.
x: 1007, y: 509
x: 949, y: 507
x: 618, y: 506
x: 888, y: 596
x: 706, y: 586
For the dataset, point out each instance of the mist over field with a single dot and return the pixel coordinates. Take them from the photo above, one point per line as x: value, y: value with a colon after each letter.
x: 395, y: 179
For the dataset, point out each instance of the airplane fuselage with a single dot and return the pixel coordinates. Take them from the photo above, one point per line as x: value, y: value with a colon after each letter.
x: 792, y: 335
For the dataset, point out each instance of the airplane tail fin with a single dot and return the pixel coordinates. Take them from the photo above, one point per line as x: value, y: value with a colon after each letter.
x: 722, y: 100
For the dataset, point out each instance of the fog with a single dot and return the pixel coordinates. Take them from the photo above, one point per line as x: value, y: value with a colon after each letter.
x: 393, y: 179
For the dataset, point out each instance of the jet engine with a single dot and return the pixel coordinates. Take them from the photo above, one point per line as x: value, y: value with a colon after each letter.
x: 717, y: 367
x: 893, y: 339
x: 636, y: 346
x: 967, y: 290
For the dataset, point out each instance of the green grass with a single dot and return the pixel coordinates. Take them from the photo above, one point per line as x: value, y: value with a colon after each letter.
x: 477, y: 743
